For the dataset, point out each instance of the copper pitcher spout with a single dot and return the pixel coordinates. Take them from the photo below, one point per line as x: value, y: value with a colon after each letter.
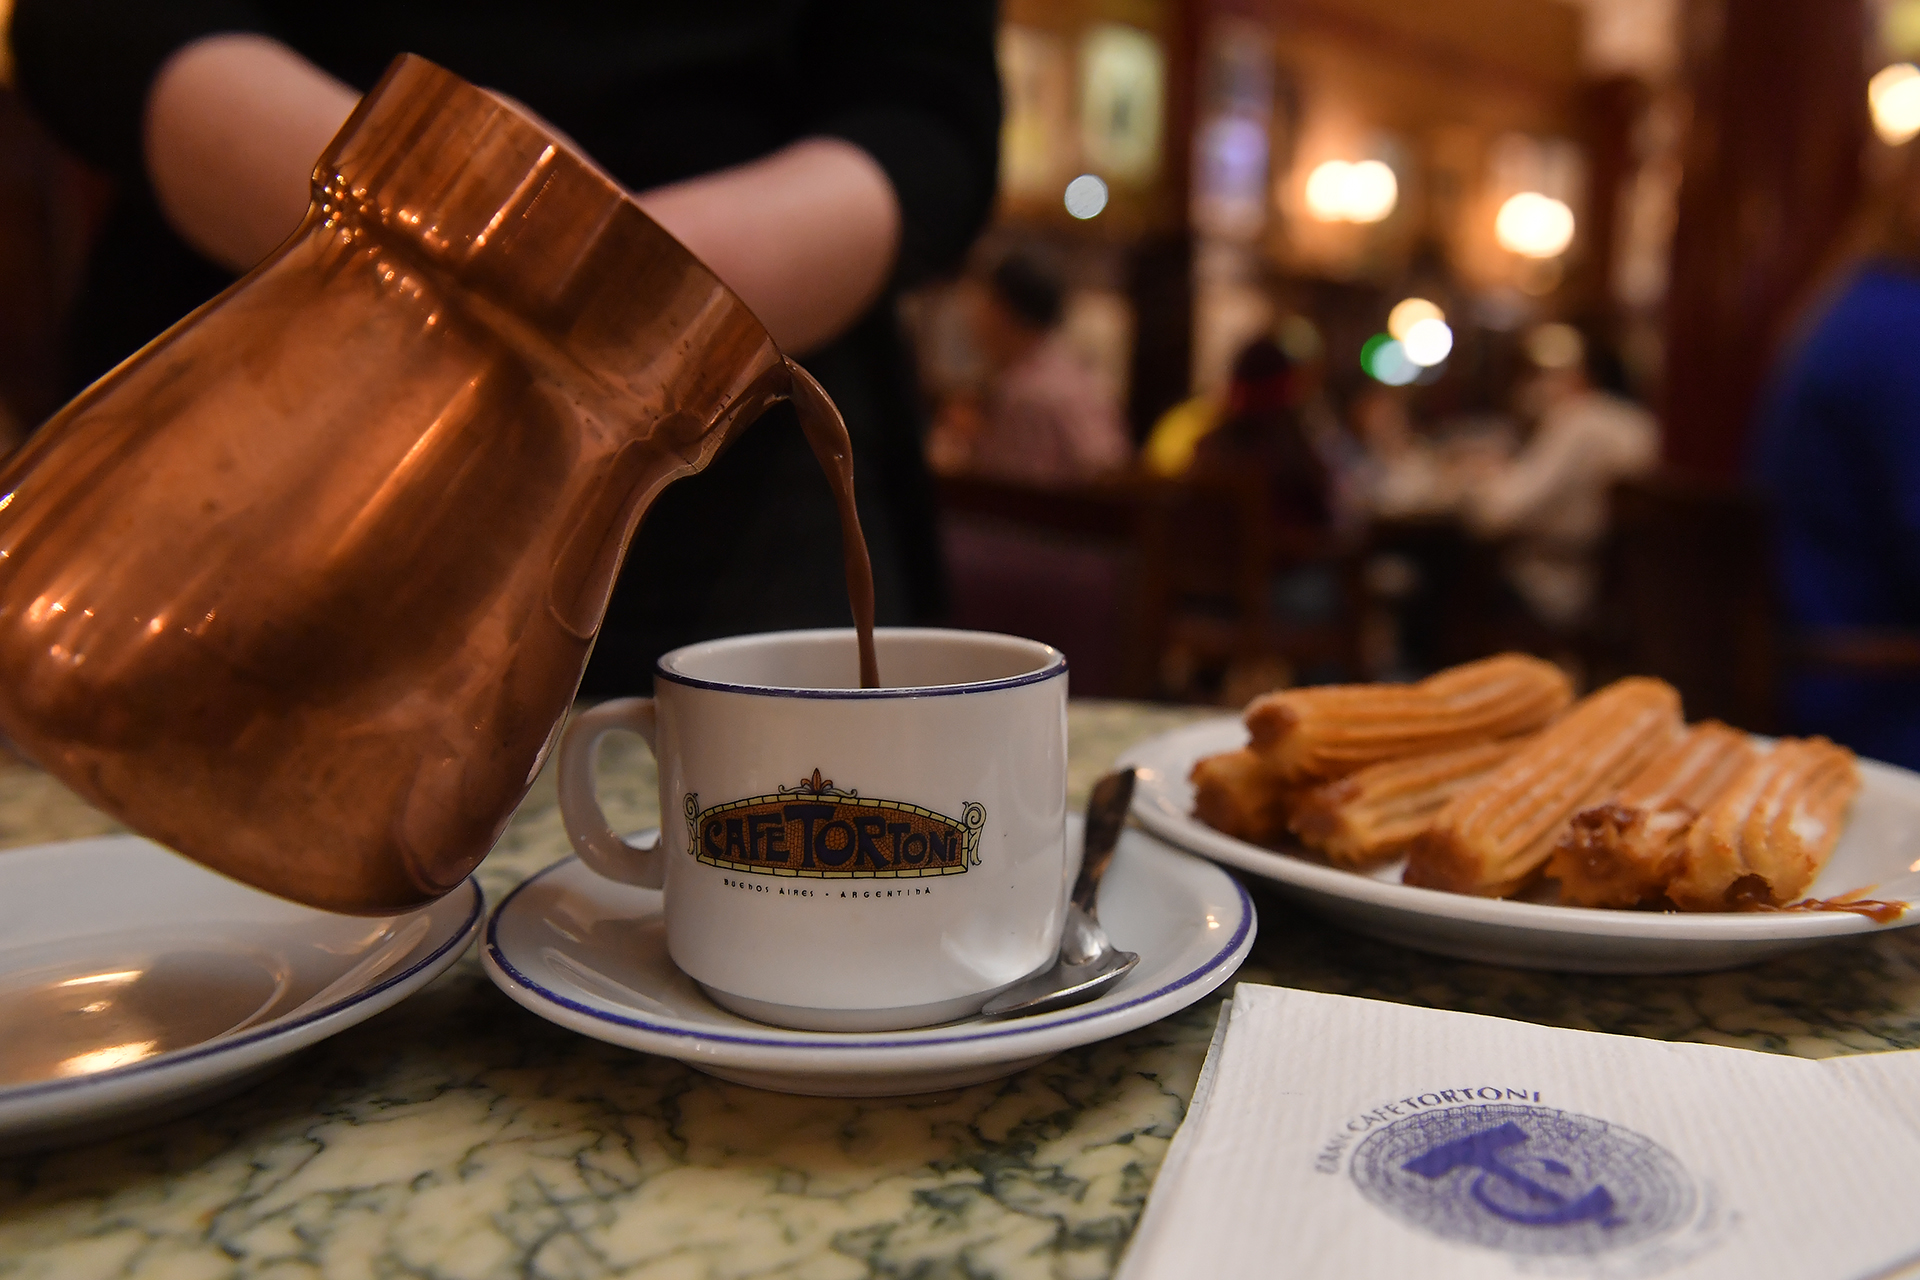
x: 303, y: 588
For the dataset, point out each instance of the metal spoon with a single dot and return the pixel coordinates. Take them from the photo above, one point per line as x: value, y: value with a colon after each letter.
x: 1089, y: 963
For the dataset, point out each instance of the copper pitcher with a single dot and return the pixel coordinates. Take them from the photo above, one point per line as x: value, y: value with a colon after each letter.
x: 304, y: 588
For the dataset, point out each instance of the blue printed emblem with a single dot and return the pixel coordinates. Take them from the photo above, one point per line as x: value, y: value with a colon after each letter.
x: 1525, y: 1180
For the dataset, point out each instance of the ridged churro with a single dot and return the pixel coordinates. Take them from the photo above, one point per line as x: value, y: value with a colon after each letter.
x: 1371, y: 816
x: 1330, y: 731
x: 1624, y: 852
x: 1770, y: 831
x: 1493, y: 838
x: 1236, y: 793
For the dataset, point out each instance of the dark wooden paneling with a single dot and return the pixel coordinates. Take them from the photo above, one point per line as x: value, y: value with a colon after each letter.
x: 1609, y: 110
x: 1772, y: 176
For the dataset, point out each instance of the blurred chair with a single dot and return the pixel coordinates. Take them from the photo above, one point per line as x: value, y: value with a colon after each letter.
x: 1214, y: 573
x: 1690, y: 597
x: 1858, y: 651
x: 1052, y: 564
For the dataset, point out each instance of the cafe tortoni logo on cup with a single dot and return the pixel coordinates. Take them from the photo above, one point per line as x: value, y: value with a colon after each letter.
x: 817, y: 830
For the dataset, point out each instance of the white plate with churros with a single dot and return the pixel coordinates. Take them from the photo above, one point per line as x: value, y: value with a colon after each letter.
x: 1486, y: 813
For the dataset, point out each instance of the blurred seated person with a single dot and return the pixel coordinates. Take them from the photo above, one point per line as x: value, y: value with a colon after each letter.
x: 1550, y: 499
x: 1047, y: 417
x: 1838, y: 453
x: 1168, y: 450
x: 1262, y: 433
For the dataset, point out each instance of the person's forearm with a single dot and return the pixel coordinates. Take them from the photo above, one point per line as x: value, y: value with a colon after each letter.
x: 806, y: 236
x: 233, y: 126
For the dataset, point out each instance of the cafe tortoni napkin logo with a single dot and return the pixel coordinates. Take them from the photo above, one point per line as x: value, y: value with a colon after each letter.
x: 816, y: 829
x: 1529, y: 1180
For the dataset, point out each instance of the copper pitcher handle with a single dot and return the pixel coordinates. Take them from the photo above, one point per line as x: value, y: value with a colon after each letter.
x: 604, y: 852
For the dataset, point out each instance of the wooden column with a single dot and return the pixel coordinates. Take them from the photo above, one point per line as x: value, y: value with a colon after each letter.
x: 1160, y: 284
x: 1772, y: 174
x: 1609, y: 110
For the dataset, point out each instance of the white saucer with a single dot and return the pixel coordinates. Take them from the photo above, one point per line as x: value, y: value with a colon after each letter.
x: 135, y: 984
x: 591, y: 955
x: 1881, y: 847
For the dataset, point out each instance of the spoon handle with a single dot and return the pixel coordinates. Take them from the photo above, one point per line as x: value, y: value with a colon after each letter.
x: 1106, y: 815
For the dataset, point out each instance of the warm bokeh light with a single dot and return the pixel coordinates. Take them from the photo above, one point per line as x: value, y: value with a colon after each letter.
x: 1362, y: 192
x: 1327, y: 191
x: 1555, y: 346
x: 1428, y: 342
x: 1300, y: 338
x: 1409, y: 312
x: 1534, y: 226
x: 1386, y: 360
x: 1086, y: 196
x: 1372, y: 191
x: 1894, y: 97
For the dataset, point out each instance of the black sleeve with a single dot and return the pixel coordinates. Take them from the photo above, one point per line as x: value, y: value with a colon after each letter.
x: 84, y: 66
x: 914, y: 84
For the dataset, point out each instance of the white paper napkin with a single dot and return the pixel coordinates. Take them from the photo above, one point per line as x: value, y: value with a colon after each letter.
x: 1337, y: 1137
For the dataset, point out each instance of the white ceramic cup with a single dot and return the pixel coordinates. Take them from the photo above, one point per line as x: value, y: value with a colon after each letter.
x: 839, y: 858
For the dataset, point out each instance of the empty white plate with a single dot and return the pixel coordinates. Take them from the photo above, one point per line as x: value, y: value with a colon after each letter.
x: 135, y: 984
x: 591, y: 955
x: 1880, y: 852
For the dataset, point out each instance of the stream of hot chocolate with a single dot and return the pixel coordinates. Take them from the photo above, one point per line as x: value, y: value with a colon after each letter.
x: 827, y: 433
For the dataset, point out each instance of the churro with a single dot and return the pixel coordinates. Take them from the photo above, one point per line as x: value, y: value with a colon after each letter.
x: 1330, y: 731
x: 1236, y: 793
x: 1493, y: 838
x: 1624, y: 852
x: 1370, y: 816
x: 1768, y: 833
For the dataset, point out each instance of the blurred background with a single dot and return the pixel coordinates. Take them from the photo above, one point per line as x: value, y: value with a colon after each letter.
x: 1338, y: 339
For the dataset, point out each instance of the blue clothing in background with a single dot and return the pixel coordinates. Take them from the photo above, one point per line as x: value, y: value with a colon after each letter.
x: 1839, y: 456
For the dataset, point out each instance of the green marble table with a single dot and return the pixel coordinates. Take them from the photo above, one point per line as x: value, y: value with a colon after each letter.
x: 458, y: 1136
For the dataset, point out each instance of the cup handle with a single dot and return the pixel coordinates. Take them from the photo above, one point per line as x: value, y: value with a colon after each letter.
x: 593, y: 838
